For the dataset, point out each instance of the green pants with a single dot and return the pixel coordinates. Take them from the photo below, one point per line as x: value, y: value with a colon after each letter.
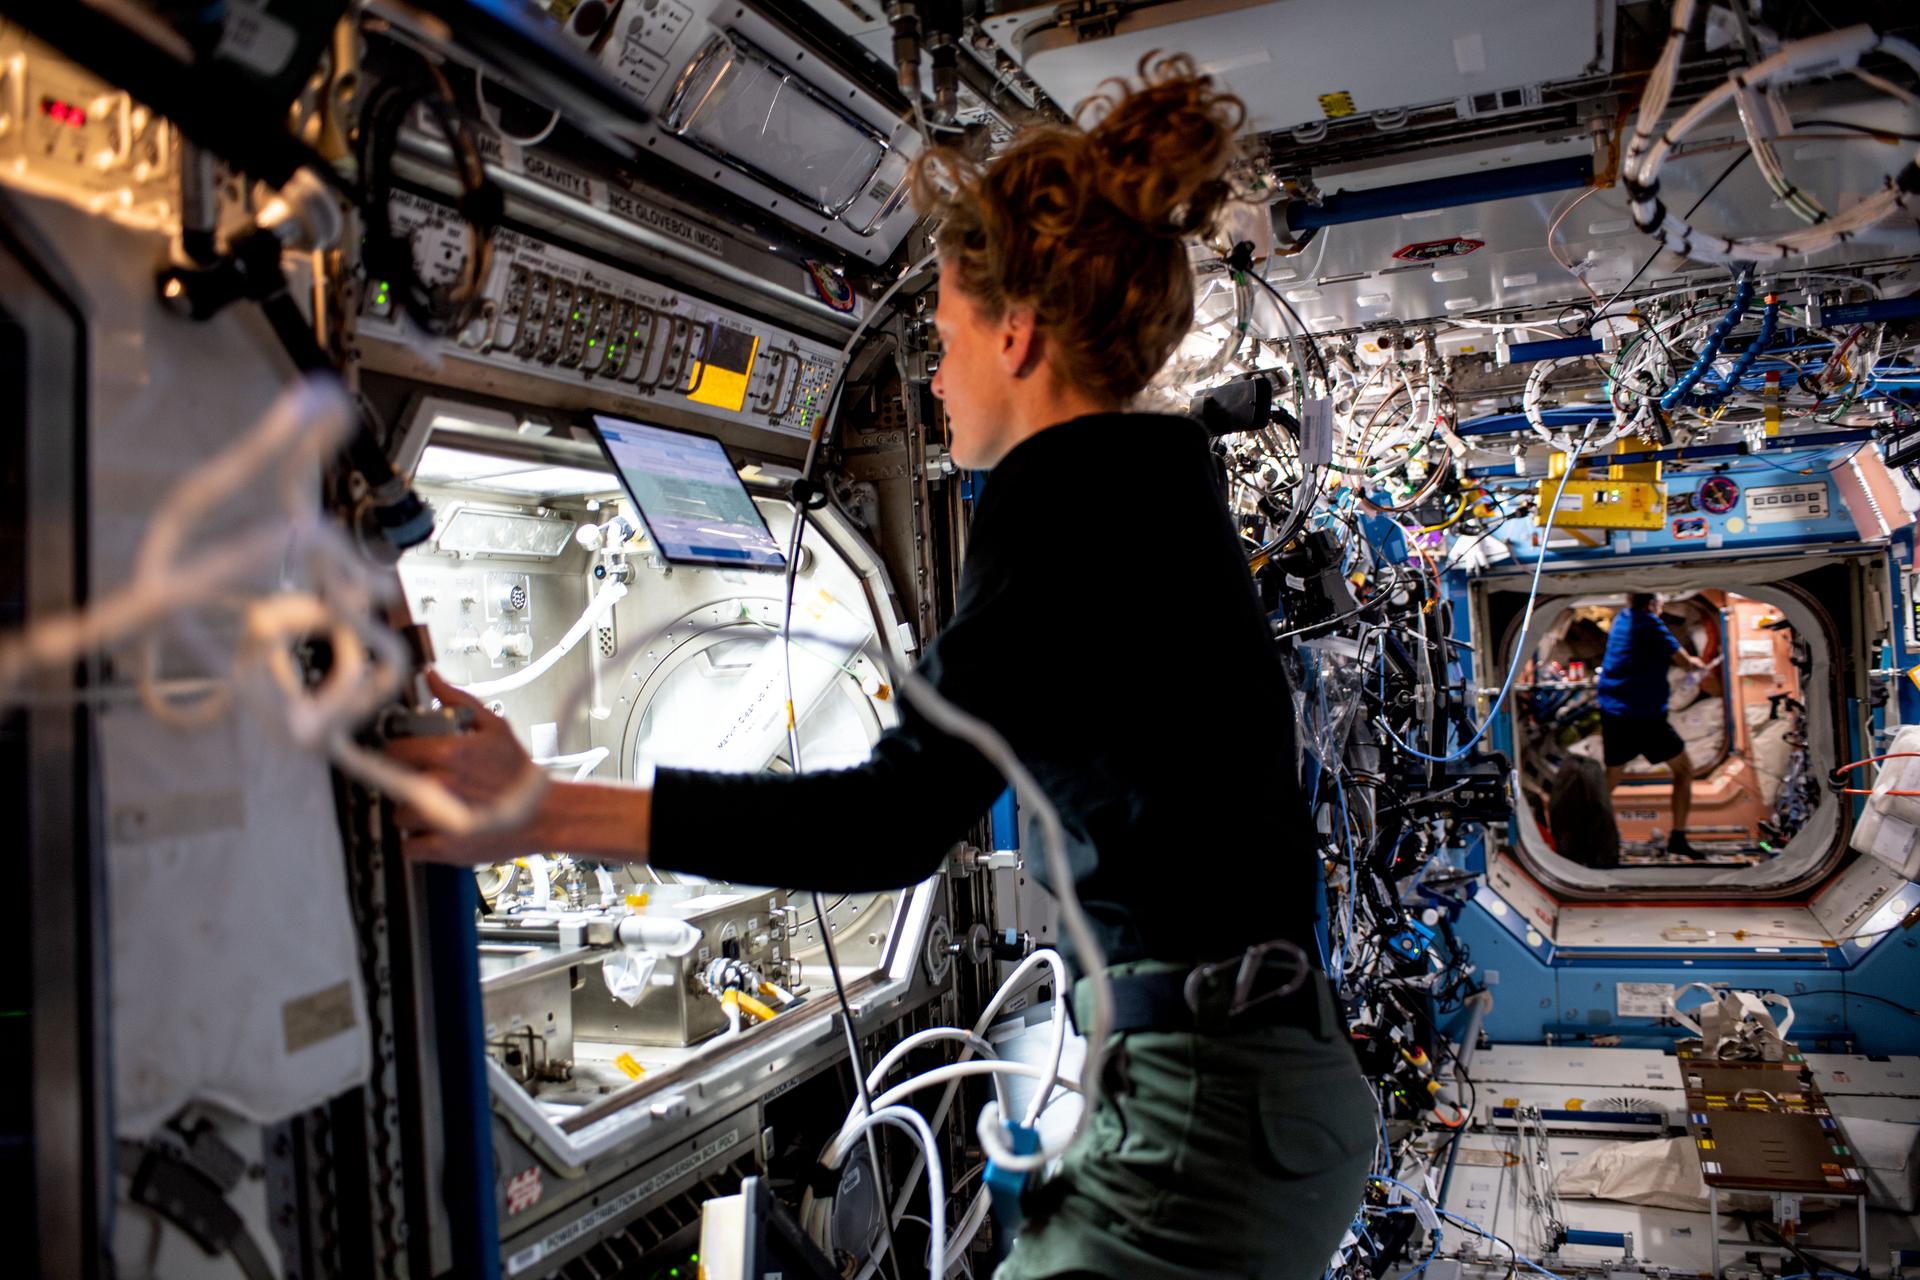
x: 1208, y: 1157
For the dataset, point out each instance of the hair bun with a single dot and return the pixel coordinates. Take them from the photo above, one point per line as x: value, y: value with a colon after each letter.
x: 1163, y: 148
x: 1085, y: 226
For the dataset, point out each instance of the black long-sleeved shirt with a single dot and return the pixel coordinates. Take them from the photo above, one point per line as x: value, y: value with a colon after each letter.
x: 1108, y: 628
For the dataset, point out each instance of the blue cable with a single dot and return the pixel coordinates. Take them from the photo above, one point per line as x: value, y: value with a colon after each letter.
x: 1519, y: 650
x: 1741, y: 297
x: 1818, y: 457
x: 1731, y: 384
x: 1518, y: 1257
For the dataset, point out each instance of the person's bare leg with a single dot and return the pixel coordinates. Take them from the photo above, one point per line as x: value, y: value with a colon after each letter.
x: 1682, y: 769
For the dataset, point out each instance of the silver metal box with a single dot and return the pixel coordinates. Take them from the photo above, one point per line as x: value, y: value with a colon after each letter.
x: 746, y: 924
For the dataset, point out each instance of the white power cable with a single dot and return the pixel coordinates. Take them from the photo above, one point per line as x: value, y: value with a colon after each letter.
x: 1658, y: 91
x: 970, y: 1224
x: 916, y: 1124
x: 975, y: 1041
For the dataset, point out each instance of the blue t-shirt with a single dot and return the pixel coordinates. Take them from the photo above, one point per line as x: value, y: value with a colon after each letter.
x: 1633, y: 678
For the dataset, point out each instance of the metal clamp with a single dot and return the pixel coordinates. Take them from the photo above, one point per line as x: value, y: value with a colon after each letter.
x: 781, y: 361
x: 793, y: 392
x: 513, y: 307
x: 558, y: 329
x: 488, y: 322
x: 526, y: 336
x: 708, y: 337
x: 662, y: 379
x: 617, y: 325
x: 642, y: 346
x: 599, y: 321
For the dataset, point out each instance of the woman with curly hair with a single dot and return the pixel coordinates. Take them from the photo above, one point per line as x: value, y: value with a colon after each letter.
x: 1233, y: 1132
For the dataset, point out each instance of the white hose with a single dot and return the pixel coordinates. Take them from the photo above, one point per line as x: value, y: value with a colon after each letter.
x: 916, y: 1124
x: 542, y: 872
x: 975, y: 1041
x: 1658, y: 91
x: 956, y: 1071
x: 583, y: 763
x: 963, y: 1234
x: 609, y: 595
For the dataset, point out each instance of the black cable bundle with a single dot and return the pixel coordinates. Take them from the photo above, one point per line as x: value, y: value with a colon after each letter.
x: 441, y: 309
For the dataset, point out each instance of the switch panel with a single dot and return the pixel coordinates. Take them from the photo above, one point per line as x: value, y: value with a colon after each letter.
x: 556, y: 314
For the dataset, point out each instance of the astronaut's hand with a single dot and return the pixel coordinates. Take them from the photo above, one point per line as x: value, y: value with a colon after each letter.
x: 487, y: 770
x: 477, y: 767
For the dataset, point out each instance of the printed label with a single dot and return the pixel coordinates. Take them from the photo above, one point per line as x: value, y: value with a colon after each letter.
x: 1781, y: 503
x: 554, y: 1241
x: 1642, y: 999
x: 323, y: 1015
x: 1434, y: 250
x: 257, y: 40
x: 623, y: 205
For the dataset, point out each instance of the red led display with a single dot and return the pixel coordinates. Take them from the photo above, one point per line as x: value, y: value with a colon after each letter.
x: 63, y: 113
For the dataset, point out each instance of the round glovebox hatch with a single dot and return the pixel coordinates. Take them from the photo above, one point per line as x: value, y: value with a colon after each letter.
x: 711, y: 693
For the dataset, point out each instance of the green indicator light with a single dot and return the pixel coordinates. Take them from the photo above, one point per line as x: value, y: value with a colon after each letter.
x: 694, y: 1258
x: 591, y: 344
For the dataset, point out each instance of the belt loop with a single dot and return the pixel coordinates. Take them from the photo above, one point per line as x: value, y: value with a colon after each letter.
x: 1326, y: 1016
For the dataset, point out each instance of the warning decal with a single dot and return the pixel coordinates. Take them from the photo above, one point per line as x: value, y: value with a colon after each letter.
x: 1434, y: 250
x: 523, y: 1189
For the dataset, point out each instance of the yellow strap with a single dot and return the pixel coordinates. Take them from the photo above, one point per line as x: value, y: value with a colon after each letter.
x: 752, y: 1006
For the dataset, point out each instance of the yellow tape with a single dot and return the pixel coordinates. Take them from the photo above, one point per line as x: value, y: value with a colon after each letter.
x: 627, y: 1064
x: 721, y: 387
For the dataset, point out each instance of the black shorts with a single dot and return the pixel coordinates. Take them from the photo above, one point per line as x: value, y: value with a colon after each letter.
x: 1624, y: 737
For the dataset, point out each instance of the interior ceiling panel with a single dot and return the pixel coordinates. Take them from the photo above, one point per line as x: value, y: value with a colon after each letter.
x: 1299, y: 61
x: 1347, y: 277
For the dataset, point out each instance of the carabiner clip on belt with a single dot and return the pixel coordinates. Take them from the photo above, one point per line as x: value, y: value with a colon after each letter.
x: 1252, y: 962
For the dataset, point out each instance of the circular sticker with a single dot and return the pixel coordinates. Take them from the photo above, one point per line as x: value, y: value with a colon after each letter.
x: 831, y: 286
x: 1717, y: 494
